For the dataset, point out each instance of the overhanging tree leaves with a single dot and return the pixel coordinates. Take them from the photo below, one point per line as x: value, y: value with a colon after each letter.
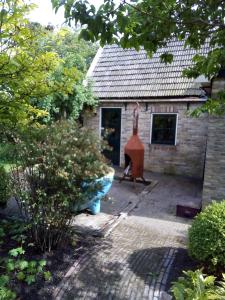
x: 151, y: 23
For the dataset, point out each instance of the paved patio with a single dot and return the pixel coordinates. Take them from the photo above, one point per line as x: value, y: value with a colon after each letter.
x: 169, y: 191
x: 142, y: 247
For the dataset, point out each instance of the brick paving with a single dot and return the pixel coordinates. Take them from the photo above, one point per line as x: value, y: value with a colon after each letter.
x: 133, y: 262
x: 142, y: 254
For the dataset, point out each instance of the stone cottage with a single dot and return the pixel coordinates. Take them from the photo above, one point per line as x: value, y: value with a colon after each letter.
x: 174, y: 142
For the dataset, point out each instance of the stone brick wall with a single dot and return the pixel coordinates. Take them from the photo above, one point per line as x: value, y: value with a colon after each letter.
x: 214, y: 179
x: 186, y: 158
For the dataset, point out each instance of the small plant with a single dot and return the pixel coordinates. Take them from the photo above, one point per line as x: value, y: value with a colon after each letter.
x: 197, y: 286
x: 58, y: 168
x: 4, y: 186
x: 14, y: 266
x: 5, y: 292
x: 207, y: 237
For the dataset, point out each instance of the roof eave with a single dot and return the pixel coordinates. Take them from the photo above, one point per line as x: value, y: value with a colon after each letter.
x: 154, y: 99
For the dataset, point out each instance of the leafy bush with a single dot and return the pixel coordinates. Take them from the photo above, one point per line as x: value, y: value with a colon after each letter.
x: 6, y: 151
x: 197, y: 286
x: 4, y: 186
x: 55, y: 164
x: 207, y: 237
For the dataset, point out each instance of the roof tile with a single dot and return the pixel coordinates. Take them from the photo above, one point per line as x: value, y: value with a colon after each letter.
x: 125, y: 73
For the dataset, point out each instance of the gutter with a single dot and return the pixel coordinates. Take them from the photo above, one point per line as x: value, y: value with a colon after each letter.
x: 156, y: 100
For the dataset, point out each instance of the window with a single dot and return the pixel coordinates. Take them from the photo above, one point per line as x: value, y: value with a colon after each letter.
x: 164, y: 129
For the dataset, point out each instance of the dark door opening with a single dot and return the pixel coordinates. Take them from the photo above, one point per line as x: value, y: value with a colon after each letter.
x: 111, y: 120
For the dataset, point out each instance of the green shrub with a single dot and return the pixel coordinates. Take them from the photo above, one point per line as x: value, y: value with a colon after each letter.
x: 56, y: 163
x: 6, y: 152
x: 4, y: 186
x: 197, y: 286
x: 207, y: 237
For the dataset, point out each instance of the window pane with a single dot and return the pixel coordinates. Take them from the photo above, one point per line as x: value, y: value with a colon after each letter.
x: 164, y: 129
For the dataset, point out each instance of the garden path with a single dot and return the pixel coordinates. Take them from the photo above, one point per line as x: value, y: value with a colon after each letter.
x: 140, y: 257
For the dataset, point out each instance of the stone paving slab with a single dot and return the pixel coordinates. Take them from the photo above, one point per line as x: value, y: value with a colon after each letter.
x: 162, y: 201
x: 157, y: 201
x: 121, y: 199
x: 135, y: 260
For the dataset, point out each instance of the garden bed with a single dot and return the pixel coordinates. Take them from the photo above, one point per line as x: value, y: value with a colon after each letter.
x: 57, y: 262
x: 182, y: 262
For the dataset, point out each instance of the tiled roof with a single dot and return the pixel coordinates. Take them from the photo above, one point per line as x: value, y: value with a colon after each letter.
x: 127, y: 73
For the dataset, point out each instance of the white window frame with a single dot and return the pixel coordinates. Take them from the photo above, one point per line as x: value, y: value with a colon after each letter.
x: 151, y: 126
x: 100, y: 124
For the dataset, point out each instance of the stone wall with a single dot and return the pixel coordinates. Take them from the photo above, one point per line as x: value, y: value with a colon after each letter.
x: 186, y: 158
x: 214, y: 179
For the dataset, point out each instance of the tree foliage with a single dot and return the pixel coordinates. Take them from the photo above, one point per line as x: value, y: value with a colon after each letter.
x: 151, y: 23
x: 4, y: 186
x: 40, y: 71
x: 70, y: 95
x: 24, y: 71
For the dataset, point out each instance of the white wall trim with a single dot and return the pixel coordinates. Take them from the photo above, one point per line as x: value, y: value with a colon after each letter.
x: 100, y: 124
x: 151, y: 125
